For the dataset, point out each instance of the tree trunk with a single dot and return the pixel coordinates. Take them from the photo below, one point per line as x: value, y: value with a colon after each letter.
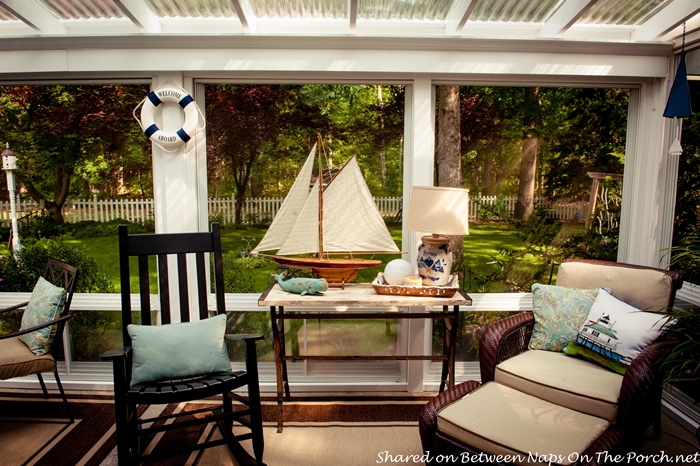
x: 499, y: 170
x: 488, y: 176
x: 449, y: 151
x: 528, y: 160
x: 55, y: 207
x: 382, y: 151
x: 241, y: 178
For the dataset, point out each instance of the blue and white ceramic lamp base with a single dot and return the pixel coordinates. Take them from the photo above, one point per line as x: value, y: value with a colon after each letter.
x: 435, y: 260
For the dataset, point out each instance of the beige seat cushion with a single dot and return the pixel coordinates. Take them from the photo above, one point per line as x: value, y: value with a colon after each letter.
x: 563, y: 380
x: 16, y: 360
x: 501, y: 421
x: 643, y: 288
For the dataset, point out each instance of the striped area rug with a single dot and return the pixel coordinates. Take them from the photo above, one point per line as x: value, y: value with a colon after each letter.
x: 35, y: 432
x: 342, y: 431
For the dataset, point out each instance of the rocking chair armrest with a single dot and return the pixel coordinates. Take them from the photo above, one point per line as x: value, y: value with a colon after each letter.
x: 117, y: 353
x: 35, y: 328
x: 502, y: 340
x: 15, y: 307
x: 243, y: 336
x: 121, y: 369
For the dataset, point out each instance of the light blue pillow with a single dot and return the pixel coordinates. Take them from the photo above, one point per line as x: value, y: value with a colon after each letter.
x: 162, y: 352
x: 559, y: 313
x: 45, y: 304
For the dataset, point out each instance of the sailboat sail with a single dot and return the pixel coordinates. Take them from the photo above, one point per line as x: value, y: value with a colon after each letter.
x: 351, y: 220
x: 289, y: 211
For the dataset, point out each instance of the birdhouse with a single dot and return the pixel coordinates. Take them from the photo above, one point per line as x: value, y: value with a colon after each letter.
x: 9, y: 159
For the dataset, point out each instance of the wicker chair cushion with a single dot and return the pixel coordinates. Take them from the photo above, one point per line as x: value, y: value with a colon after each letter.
x: 563, y: 380
x: 647, y: 289
x: 554, y: 432
x: 18, y: 360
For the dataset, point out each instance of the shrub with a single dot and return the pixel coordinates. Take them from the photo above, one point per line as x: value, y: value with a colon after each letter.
x: 239, y: 272
x: 93, y: 229
x: 21, y: 273
x: 496, y: 211
x: 40, y: 226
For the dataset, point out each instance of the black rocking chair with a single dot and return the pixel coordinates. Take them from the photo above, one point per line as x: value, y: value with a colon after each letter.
x: 132, y: 431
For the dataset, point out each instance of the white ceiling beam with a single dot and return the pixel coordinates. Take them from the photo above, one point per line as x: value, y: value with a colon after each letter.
x: 35, y: 16
x: 140, y: 15
x: 675, y: 35
x: 567, y: 14
x: 667, y: 19
x: 352, y: 15
x: 246, y: 15
x: 458, y: 16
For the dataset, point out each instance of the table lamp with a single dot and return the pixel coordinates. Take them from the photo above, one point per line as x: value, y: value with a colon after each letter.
x: 441, y: 211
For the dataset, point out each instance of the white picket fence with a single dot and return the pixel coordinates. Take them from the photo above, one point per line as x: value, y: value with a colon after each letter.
x: 259, y: 209
x: 559, y: 209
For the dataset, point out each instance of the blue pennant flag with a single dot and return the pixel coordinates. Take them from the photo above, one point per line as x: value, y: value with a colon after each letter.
x: 678, y: 104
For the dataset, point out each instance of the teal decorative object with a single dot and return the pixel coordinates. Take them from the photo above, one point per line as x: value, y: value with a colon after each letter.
x: 301, y: 286
x: 175, y: 351
x: 45, y: 303
x: 559, y: 314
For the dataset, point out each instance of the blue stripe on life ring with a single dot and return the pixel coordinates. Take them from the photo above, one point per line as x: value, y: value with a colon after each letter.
x: 154, y: 99
x: 150, y: 130
x: 185, y: 101
x: 183, y: 135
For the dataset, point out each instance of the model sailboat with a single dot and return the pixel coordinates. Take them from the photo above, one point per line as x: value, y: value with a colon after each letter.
x: 327, y: 222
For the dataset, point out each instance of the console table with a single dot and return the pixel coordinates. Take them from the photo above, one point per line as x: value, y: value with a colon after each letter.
x: 357, y: 295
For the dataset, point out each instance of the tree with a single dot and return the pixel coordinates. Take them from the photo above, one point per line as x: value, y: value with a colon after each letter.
x: 525, y: 203
x: 482, y: 126
x: 56, y: 128
x: 245, y: 125
x: 591, y: 137
x: 242, y: 120
x: 449, y: 158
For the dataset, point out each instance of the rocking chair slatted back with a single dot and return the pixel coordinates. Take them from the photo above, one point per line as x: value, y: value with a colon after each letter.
x: 178, y: 245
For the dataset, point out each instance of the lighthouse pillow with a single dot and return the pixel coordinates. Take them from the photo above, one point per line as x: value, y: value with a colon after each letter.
x: 614, y: 333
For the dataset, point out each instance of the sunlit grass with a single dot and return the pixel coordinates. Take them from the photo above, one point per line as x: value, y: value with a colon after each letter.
x: 482, y: 251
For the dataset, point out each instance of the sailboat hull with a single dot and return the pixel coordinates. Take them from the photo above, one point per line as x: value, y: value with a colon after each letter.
x: 333, y: 270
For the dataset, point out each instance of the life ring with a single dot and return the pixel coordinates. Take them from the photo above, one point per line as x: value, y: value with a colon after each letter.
x: 166, y: 139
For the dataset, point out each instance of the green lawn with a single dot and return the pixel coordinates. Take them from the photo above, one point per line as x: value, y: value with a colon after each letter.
x: 481, y: 251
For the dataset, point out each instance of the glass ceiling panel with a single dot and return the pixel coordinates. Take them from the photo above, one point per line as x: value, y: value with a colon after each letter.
x: 436, y: 10
x: 514, y: 11
x: 192, y: 8
x: 83, y: 9
x: 300, y: 9
x: 622, y: 12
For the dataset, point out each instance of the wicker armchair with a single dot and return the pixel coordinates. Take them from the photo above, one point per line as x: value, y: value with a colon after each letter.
x: 640, y: 391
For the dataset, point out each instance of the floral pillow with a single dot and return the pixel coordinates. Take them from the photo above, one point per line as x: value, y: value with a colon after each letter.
x: 45, y: 304
x: 559, y: 313
x: 614, y: 333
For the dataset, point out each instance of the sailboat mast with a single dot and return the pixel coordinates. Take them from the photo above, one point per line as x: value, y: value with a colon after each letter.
x: 320, y: 198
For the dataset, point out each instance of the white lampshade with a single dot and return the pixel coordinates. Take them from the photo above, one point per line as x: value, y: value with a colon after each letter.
x: 439, y: 210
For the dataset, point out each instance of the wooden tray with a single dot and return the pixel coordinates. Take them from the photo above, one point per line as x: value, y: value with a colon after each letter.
x: 444, y: 291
